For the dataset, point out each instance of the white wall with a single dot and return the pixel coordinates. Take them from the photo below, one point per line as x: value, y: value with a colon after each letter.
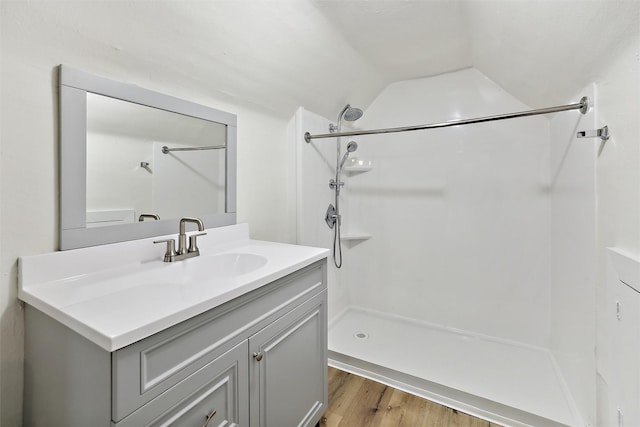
x: 29, y: 142
x: 619, y: 161
x: 187, y: 183
x: 459, y: 216
x: 115, y: 179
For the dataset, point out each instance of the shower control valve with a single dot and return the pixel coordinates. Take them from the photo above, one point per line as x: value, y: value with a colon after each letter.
x: 331, y: 217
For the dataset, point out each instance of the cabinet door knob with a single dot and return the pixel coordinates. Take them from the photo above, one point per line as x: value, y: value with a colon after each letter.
x: 258, y: 356
x: 209, y: 417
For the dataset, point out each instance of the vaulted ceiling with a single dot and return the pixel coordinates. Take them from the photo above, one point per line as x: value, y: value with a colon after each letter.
x: 542, y: 52
x: 281, y: 54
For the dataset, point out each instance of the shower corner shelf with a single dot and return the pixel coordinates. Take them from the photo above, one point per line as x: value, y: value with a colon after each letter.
x: 354, y: 169
x: 353, y: 237
x: 356, y: 166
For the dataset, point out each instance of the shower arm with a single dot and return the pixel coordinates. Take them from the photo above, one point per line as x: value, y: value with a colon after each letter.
x: 583, y: 106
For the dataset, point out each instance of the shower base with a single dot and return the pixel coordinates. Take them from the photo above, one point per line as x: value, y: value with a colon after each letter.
x: 505, y: 382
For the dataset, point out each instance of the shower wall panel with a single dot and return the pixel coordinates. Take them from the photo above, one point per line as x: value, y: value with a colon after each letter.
x: 459, y: 216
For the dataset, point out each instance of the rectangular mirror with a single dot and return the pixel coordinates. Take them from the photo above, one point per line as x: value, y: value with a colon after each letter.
x: 134, y: 161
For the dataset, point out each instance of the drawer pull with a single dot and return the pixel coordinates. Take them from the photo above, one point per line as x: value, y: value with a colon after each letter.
x: 258, y: 356
x: 209, y: 417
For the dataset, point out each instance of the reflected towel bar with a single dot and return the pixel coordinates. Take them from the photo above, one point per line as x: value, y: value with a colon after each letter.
x: 166, y: 150
x: 583, y: 106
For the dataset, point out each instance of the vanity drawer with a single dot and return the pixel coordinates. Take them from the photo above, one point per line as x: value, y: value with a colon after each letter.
x: 219, y: 386
x: 146, y: 369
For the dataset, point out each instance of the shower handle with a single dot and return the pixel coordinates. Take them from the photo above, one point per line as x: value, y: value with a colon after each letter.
x: 331, y: 217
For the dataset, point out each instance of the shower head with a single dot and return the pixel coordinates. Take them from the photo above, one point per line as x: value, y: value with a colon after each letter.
x: 352, y: 114
x: 351, y: 147
x: 348, y: 113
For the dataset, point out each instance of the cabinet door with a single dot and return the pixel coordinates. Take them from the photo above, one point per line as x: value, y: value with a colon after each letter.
x: 215, y: 395
x: 288, y: 373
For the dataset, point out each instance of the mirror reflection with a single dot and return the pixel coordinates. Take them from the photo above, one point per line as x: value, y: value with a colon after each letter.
x: 146, y: 163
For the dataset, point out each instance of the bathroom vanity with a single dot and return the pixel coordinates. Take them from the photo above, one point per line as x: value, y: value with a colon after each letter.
x: 120, y: 331
x: 236, y: 336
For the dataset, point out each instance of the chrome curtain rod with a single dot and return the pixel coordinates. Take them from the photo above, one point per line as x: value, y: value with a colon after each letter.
x: 167, y: 150
x: 583, y: 106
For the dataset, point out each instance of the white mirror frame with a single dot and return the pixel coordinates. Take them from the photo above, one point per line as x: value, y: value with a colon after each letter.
x: 74, y: 85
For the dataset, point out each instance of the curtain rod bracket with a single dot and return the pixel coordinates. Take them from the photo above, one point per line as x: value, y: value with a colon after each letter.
x: 585, y: 105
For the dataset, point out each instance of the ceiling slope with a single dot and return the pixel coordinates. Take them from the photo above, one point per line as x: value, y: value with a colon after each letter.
x: 280, y: 54
x: 542, y: 52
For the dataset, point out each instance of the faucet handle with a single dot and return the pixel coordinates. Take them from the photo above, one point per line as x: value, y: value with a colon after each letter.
x: 171, y: 249
x: 193, y: 246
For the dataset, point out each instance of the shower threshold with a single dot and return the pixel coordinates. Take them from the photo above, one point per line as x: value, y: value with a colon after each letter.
x: 505, y: 382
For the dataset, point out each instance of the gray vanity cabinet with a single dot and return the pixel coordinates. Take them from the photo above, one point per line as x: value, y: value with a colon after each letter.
x: 259, y: 360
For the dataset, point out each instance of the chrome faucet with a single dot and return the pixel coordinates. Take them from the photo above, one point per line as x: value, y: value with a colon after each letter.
x: 183, y: 252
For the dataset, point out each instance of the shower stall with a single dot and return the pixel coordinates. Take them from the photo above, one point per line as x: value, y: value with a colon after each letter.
x: 467, y: 270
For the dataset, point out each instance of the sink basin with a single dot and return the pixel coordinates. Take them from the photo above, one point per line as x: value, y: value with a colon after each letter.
x: 207, y: 267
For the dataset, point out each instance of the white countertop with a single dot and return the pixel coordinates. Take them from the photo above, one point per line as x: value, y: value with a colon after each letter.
x: 115, y: 295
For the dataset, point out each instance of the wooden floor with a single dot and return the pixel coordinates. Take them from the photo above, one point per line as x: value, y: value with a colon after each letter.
x: 358, y: 402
